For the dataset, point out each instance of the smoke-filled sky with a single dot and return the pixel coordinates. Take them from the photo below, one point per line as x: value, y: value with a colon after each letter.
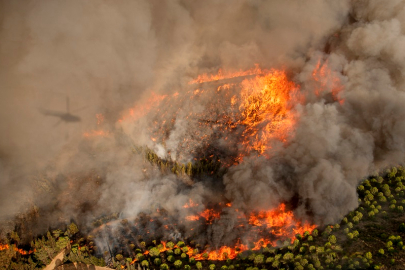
x: 106, y: 56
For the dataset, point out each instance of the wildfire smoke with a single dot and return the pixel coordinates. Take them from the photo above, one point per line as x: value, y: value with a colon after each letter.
x: 293, y: 109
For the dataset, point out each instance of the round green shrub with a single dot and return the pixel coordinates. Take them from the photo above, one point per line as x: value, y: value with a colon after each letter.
x: 177, y: 263
x: 180, y: 244
x: 154, y: 252
x: 170, y: 258
x: 145, y: 263
x: 157, y: 261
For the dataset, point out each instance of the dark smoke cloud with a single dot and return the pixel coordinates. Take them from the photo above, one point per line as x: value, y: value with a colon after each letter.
x: 107, y: 56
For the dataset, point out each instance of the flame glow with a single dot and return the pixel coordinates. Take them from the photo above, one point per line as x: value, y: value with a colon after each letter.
x: 253, y: 107
x: 221, y: 75
x: 279, y: 223
x: 19, y: 250
x: 248, y: 112
x: 327, y: 79
x: 266, y: 110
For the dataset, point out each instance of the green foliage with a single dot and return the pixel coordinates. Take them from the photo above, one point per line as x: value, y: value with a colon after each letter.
x: 170, y: 258
x: 47, y: 247
x: 328, y: 230
x: 62, y: 242
x: 211, y: 266
x: 251, y: 256
x: 145, y: 263
x: 332, y: 239
x: 73, y: 229
x: 164, y: 266
x: 119, y: 257
x: 154, y: 252
x: 288, y: 256
x: 139, y: 256
x: 157, y: 261
x: 180, y: 244
x: 307, y: 251
x: 344, y: 220
x: 178, y: 264
x: 259, y: 259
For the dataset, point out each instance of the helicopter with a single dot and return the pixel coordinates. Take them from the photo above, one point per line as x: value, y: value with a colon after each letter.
x: 64, y: 116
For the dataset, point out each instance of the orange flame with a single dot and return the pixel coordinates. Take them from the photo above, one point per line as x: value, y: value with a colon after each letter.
x: 277, y: 222
x: 265, y: 108
x: 327, y: 79
x: 19, y: 250
x: 227, y: 75
x: 210, y: 215
x: 262, y: 106
x: 192, y: 218
x: 259, y: 107
x: 141, y: 110
x: 190, y: 204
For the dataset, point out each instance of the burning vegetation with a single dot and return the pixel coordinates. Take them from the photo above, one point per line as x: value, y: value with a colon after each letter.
x: 369, y: 237
x: 242, y: 114
x: 224, y: 136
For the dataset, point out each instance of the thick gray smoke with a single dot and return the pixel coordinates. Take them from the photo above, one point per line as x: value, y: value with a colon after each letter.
x: 108, y: 56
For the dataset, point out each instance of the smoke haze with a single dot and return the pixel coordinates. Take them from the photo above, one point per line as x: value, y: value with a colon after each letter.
x: 107, y: 57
